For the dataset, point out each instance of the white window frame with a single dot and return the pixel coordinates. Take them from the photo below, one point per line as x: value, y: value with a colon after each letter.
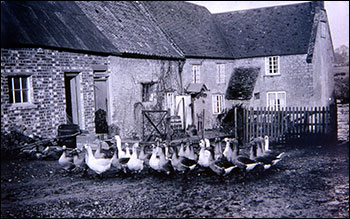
x: 276, y: 103
x: 196, y: 74
x: 170, y: 102
x: 218, y: 103
x: 11, y: 79
x: 271, y: 67
x: 220, y: 73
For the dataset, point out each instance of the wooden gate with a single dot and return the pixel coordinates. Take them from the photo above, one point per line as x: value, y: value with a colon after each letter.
x: 287, y: 125
x: 155, y: 124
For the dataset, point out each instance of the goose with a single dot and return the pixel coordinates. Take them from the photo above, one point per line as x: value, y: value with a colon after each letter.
x: 127, y: 149
x: 228, y: 153
x: 204, y: 154
x: 245, y: 163
x: 116, y: 162
x: 180, y: 163
x: 267, y: 161
x: 98, y: 153
x: 64, y: 161
x: 218, y: 148
x: 182, y: 151
x: 268, y: 151
x: 144, y: 156
x: 121, y: 153
x: 165, y: 163
x: 220, y: 167
x: 154, y: 161
x: 51, y: 153
x: 191, y: 154
x: 135, y: 164
x: 98, y: 165
x: 78, y: 158
x: 158, y: 162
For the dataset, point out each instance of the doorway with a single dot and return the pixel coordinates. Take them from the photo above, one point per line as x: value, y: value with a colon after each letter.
x: 72, y: 90
x: 101, y: 103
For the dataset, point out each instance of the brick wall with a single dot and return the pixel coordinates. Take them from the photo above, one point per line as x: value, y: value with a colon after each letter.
x: 47, y: 68
x: 343, y: 122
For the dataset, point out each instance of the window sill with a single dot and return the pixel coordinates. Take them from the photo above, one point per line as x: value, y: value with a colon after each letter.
x: 22, y: 106
x: 272, y: 75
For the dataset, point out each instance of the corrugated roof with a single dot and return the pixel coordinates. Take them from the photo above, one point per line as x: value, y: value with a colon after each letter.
x: 190, y: 26
x: 57, y: 24
x: 129, y: 28
x: 279, y: 30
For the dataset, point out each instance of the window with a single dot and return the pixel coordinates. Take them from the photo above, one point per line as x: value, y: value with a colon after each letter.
x: 19, y: 91
x: 196, y: 74
x: 323, y: 29
x: 169, y: 102
x: 276, y: 99
x: 218, y: 103
x: 220, y: 70
x: 272, y: 65
x: 147, y: 92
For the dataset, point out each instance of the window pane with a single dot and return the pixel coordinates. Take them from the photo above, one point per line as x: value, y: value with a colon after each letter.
x: 17, y: 86
x: 24, y: 83
x: 10, y: 83
x: 17, y: 96
x: 25, y: 96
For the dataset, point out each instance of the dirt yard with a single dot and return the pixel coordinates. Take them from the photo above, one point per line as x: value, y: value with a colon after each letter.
x: 311, y: 182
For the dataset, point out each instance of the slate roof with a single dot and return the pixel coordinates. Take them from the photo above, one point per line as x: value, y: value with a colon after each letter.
x: 171, y: 29
x: 56, y: 24
x: 242, y: 83
x: 279, y: 30
x: 129, y: 28
x: 191, y: 27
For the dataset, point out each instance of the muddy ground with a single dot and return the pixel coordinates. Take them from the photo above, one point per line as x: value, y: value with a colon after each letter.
x: 309, y: 182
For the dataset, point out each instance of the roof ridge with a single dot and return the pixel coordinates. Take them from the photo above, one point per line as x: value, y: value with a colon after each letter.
x: 149, y: 15
x: 266, y: 7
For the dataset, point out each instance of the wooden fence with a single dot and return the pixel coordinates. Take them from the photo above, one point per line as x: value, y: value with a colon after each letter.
x: 289, y: 124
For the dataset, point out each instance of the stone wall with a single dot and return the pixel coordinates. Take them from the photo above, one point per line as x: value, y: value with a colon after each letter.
x: 127, y: 77
x: 343, y: 122
x: 46, y: 109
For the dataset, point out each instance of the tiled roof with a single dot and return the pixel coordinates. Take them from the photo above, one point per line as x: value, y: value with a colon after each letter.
x: 190, y: 26
x: 57, y: 24
x: 242, y: 83
x: 129, y: 28
x: 279, y: 30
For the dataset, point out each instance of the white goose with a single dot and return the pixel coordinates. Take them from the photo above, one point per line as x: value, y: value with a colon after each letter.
x: 228, y: 153
x: 217, y: 149
x: 66, y: 162
x: 135, y: 164
x: 98, y: 153
x: 268, y: 151
x: 121, y: 153
x: 180, y: 163
x: 182, y: 151
x: 99, y: 165
x: 204, y: 154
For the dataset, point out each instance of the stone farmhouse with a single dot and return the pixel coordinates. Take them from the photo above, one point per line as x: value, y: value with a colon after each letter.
x: 70, y: 62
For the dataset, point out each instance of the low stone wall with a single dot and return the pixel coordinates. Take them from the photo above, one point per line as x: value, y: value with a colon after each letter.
x: 343, y: 122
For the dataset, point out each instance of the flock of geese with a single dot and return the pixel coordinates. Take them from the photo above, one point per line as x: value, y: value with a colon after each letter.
x: 168, y: 159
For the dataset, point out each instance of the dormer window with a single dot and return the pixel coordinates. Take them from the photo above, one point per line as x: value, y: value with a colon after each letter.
x: 272, y: 65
